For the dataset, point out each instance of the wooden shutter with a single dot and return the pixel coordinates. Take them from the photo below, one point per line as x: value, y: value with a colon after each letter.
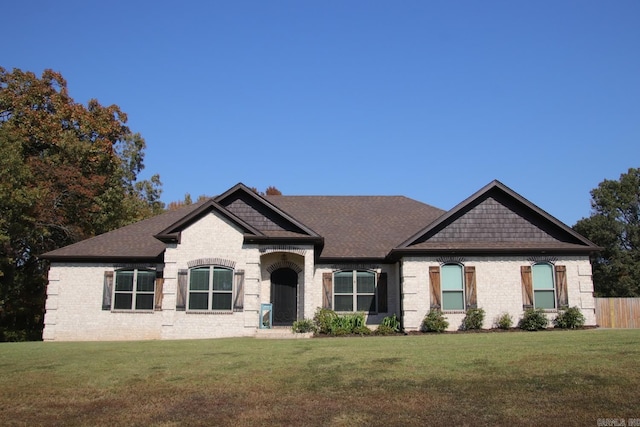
x: 434, y: 285
x: 527, y: 286
x: 327, y: 290
x: 107, y: 290
x: 471, y: 300
x: 181, y: 295
x: 159, y: 290
x: 382, y: 293
x: 561, y: 286
x: 238, y: 301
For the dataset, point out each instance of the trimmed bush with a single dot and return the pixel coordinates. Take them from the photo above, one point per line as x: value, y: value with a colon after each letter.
x: 384, y: 330
x: 303, y: 326
x: 569, y: 318
x: 434, y: 321
x: 504, y: 321
x: 331, y: 323
x: 533, y: 320
x: 473, y: 320
x: 323, y: 319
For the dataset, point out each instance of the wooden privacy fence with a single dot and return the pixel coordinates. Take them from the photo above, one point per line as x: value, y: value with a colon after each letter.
x: 618, y: 312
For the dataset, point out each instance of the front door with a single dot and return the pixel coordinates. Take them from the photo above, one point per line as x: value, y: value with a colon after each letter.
x: 284, y: 285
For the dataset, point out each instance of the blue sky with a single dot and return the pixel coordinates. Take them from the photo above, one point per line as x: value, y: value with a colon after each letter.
x: 428, y: 99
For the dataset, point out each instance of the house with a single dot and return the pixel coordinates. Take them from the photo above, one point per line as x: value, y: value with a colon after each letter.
x: 210, y: 269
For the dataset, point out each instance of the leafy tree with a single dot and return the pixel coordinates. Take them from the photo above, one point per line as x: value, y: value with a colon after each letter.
x: 186, y: 202
x: 67, y: 172
x: 614, y: 224
x: 270, y: 191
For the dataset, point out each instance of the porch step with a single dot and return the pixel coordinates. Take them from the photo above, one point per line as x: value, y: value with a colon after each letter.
x: 280, y: 333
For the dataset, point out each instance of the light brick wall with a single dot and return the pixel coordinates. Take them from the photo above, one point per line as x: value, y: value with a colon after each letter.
x: 74, y: 308
x: 74, y: 294
x: 498, y: 285
x: 393, y: 301
x: 212, y: 236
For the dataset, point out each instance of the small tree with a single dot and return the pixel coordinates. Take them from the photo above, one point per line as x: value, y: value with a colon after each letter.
x: 614, y: 224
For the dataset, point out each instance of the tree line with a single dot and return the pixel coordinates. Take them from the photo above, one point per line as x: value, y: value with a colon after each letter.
x: 70, y: 171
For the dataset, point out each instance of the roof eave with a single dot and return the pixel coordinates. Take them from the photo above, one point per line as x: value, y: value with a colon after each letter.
x: 104, y: 258
x: 352, y: 260
x: 251, y: 238
x: 397, y: 253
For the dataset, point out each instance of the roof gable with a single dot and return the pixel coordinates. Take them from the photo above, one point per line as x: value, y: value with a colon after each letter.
x: 172, y: 233
x: 497, y: 219
x: 262, y: 215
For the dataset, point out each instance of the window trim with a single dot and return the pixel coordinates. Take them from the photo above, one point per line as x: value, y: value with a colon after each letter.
x: 134, y: 291
x: 461, y: 291
x: 354, y: 290
x: 210, y: 290
x: 554, y: 289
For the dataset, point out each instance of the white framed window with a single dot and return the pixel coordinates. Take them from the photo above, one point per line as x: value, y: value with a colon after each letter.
x: 134, y: 289
x: 544, y: 289
x: 210, y: 289
x: 452, y: 287
x: 354, y: 290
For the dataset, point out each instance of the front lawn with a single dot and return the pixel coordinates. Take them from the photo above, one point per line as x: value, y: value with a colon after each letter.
x: 521, y: 378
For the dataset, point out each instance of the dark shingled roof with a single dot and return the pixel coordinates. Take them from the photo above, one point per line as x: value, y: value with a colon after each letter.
x: 495, y: 219
x: 358, y: 226
x: 130, y: 243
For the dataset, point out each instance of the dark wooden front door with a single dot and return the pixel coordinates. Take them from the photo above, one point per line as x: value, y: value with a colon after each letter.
x: 284, y: 285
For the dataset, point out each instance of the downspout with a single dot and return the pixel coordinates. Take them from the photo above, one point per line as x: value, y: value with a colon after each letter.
x: 401, y: 295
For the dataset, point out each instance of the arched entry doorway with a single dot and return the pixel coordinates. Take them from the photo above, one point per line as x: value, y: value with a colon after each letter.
x: 284, y: 292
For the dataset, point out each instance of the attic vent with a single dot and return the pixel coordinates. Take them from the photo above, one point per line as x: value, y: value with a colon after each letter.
x: 283, y: 248
x: 212, y: 261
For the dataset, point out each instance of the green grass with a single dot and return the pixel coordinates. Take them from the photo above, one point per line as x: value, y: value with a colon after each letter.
x: 521, y: 378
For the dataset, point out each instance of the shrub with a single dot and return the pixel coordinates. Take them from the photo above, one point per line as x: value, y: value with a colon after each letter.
x: 434, y: 321
x: 330, y: 323
x: 504, y: 321
x: 533, y: 320
x: 569, y: 318
x: 391, y: 322
x: 323, y: 319
x: 473, y: 319
x: 384, y: 330
x: 303, y: 326
x: 362, y: 330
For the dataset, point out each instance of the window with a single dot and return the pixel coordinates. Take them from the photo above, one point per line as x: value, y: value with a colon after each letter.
x: 210, y: 288
x: 134, y: 290
x: 543, y: 286
x: 452, y: 287
x: 355, y: 289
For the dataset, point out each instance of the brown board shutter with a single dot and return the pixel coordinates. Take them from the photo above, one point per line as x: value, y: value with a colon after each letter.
x: 327, y: 290
x: 561, y: 284
x: 107, y: 290
x: 181, y: 295
x: 527, y: 286
x: 159, y: 291
x: 382, y: 293
x: 434, y: 285
x: 238, y: 301
x: 471, y: 300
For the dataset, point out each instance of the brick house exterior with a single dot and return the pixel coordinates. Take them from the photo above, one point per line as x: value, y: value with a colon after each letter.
x: 204, y: 271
